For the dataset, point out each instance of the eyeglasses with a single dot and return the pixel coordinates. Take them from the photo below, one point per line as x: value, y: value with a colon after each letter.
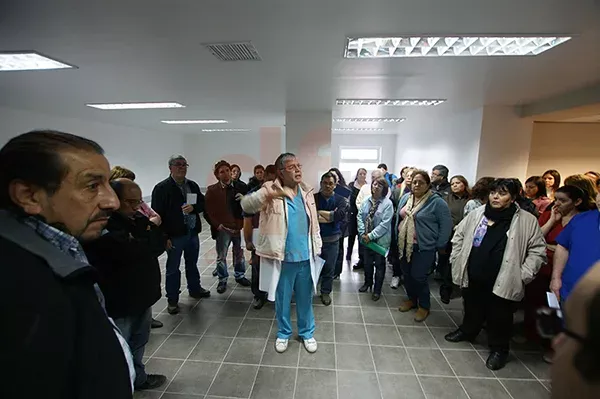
x: 133, y: 202
x: 180, y: 165
x: 550, y: 323
x: 293, y: 168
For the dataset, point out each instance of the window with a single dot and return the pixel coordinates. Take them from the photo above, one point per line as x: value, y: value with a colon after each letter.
x: 353, y: 158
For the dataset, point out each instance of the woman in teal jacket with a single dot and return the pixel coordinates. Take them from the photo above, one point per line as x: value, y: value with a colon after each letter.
x: 424, y: 228
x: 375, y: 225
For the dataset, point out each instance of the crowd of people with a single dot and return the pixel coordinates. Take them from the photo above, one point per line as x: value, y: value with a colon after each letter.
x: 82, y: 240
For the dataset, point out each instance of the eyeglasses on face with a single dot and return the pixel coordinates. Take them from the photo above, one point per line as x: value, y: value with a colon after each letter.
x: 292, y: 168
x: 133, y: 202
x: 180, y: 164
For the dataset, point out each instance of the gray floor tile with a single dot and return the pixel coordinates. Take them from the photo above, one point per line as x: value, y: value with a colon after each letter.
x: 234, y: 380
x: 383, y: 335
x: 443, y: 388
x: 182, y: 396
x: 316, y: 384
x: 166, y: 367
x: 211, y: 349
x: 234, y: 309
x: 534, y: 362
x: 391, y: 360
x: 378, y: 316
x: 350, y: 333
x: 177, y: 346
x: 439, y: 318
x: 240, y: 295
x: 400, y: 386
x: 340, y: 299
x: 324, y: 332
x: 247, y: 351
x: 267, y: 312
x: 194, y: 325
x: 194, y: 378
x: 347, y: 315
x: 169, y: 323
x: 405, y: 318
x: 147, y: 395
x: 367, y: 302
x: 154, y: 341
x: 484, y: 389
x: 440, y: 332
x: 456, y: 316
x: 354, y: 357
x: 208, y: 308
x: 323, y: 313
x: 287, y: 358
x: 417, y: 337
x: 467, y: 364
x: 513, y: 369
x: 255, y: 328
x: 324, y: 358
x: 274, y: 382
x: 526, y: 389
x: 429, y: 361
x: 358, y: 385
x: 224, y: 327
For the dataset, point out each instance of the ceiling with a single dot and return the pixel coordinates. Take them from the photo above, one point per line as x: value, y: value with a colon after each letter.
x: 150, y: 50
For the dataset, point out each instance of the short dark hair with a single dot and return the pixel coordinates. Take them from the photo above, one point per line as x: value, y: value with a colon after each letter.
x: 554, y: 173
x: 257, y: 167
x: 422, y: 173
x: 443, y: 170
x: 271, y: 169
x: 383, y: 183
x: 236, y: 166
x: 481, y: 189
x: 539, y: 183
x: 340, y: 180
x: 508, y: 185
x: 382, y: 166
x: 328, y: 175
x: 35, y: 158
x: 219, y: 165
x: 575, y: 193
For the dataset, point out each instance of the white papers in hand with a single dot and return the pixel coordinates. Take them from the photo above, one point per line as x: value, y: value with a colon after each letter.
x: 192, y: 198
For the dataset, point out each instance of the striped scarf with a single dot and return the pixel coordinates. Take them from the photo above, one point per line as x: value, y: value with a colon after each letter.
x: 407, y: 233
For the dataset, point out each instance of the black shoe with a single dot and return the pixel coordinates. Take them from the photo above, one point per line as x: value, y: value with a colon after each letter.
x: 358, y: 266
x: 222, y: 287
x: 156, y: 324
x: 201, y: 293
x: 375, y: 297
x: 496, y: 360
x: 458, y: 336
x: 215, y: 273
x: 326, y: 299
x: 365, y: 288
x: 258, y: 303
x: 244, y: 282
x: 173, y: 308
x: 152, y: 382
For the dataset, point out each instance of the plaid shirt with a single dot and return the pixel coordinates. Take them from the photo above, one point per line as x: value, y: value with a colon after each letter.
x: 69, y: 245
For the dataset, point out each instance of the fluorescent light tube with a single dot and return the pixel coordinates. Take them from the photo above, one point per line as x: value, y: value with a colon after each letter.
x: 390, y: 102
x: 121, y: 106
x: 194, y: 121
x: 29, y: 61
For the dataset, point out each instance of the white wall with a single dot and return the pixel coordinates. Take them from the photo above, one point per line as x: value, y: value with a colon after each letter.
x: 145, y: 152
x: 450, y: 139
x: 505, y: 143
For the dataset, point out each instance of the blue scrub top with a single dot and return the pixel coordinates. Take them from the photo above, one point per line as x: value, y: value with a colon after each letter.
x: 296, y: 242
x: 582, y: 238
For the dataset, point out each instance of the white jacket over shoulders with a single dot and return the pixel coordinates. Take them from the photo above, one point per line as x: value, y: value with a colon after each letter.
x: 524, y: 255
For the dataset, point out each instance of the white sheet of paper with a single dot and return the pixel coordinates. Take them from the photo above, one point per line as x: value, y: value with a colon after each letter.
x: 553, y: 302
x: 255, y: 236
x: 192, y: 198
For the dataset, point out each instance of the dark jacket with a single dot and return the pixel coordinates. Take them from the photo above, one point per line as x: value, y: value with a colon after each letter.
x: 221, y: 206
x: 254, y: 183
x: 442, y: 189
x: 457, y: 207
x: 339, y: 206
x: 167, y: 201
x: 56, y: 341
x: 126, y: 257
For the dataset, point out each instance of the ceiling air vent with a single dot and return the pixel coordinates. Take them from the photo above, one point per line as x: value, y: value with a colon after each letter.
x: 240, y: 51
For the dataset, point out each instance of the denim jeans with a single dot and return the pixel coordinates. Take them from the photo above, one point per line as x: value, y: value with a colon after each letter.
x: 376, y: 262
x: 329, y: 252
x: 136, y: 331
x: 224, y: 239
x: 295, y: 278
x: 339, y: 263
x: 189, y: 246
x: 415, y: 276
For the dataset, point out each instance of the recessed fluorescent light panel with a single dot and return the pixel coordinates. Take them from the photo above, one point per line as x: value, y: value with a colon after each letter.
x: 449, y: 46
x: 225, y: 130
x: 29, y: 61
x: 387, y: 102
x: 194, y: 121
x: 121, y: 106
x: 369, y: 120
x: 359, y: 129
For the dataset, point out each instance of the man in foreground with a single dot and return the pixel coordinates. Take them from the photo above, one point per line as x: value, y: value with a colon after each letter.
x: 56, y: 340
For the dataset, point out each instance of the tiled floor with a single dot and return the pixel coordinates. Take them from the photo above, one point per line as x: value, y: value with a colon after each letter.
x: 223, y: 348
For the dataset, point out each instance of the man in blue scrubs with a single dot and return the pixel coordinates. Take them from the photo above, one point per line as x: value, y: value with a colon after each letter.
x: 577, y: 251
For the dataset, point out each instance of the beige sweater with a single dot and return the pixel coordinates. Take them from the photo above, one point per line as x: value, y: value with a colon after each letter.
x: 525, y: 253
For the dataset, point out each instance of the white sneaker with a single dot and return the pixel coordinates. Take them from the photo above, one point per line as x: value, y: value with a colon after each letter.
x: 310, y: 345
x: 281, y: 345
x: 395, y: 282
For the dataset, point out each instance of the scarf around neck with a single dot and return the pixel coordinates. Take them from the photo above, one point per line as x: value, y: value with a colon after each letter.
x: 369, y: 223
x: 406, y: 236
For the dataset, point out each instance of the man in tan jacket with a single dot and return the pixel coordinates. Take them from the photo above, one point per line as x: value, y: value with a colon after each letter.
x: 496, y: 250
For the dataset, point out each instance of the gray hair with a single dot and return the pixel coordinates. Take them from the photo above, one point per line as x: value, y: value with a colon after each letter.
x: 282, y: 159
x: 443, y: 170
x: 177, y: 157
